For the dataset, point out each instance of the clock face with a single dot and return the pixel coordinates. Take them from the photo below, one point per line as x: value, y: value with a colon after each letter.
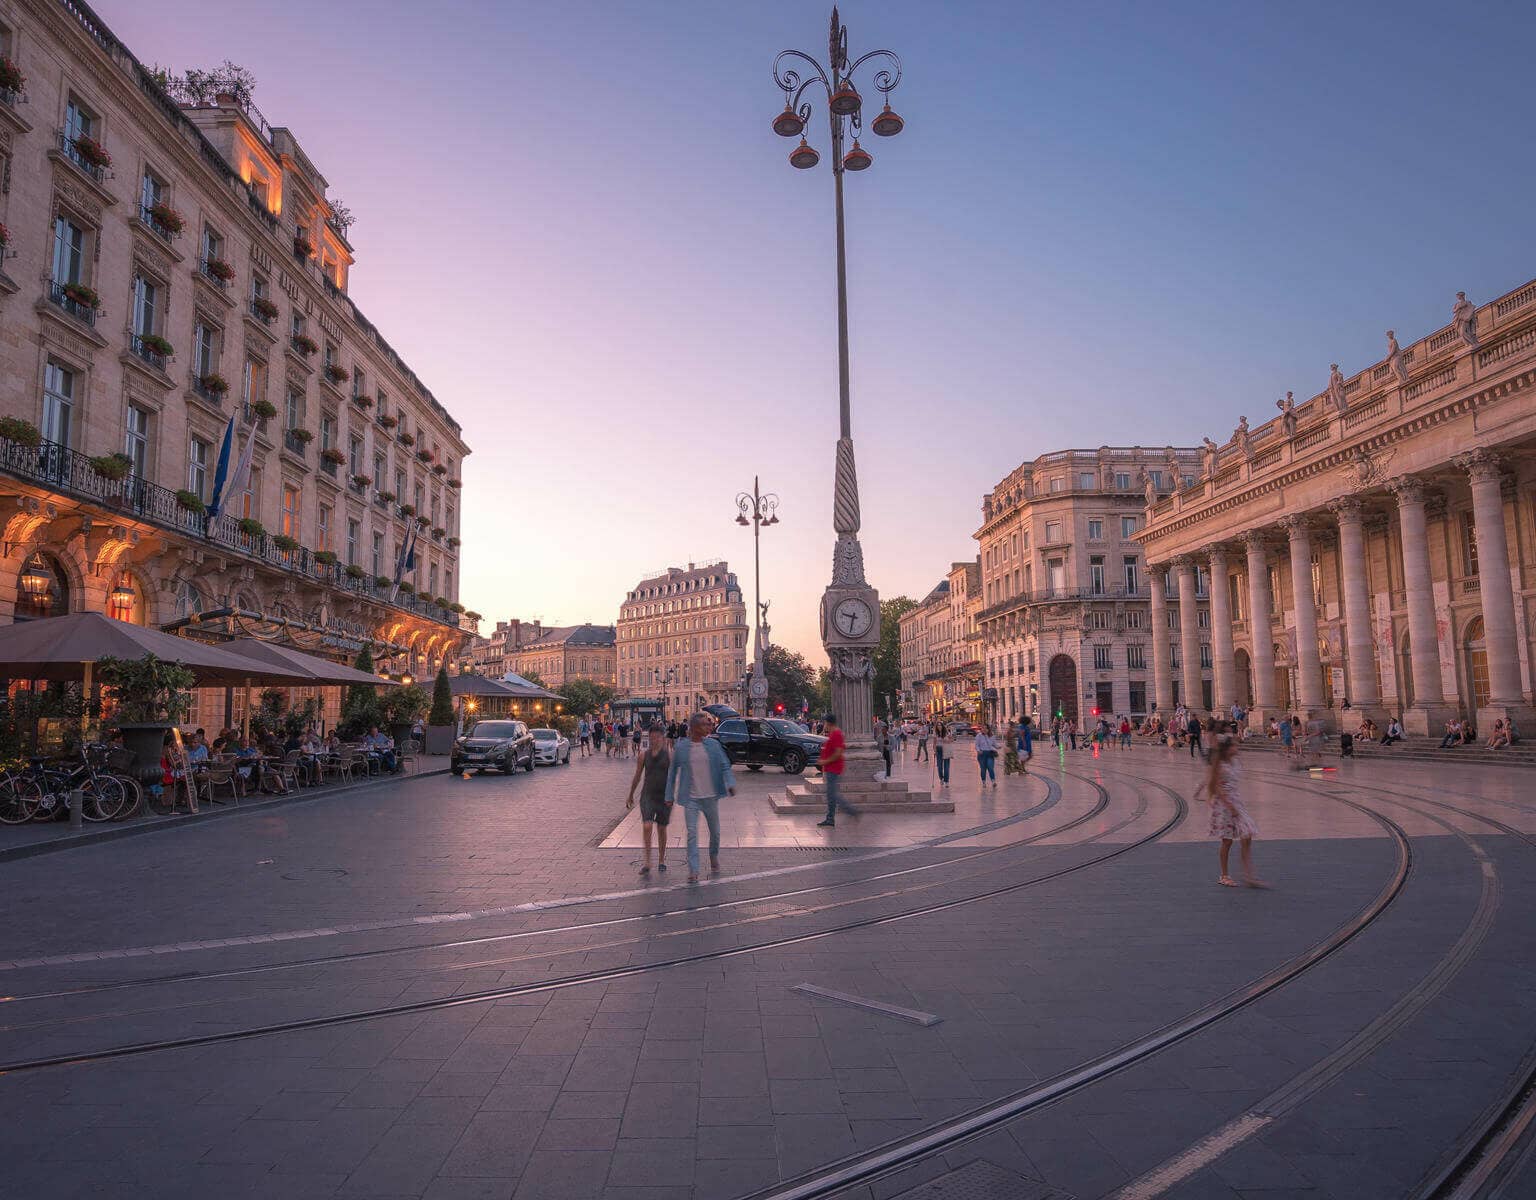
x: 851, y: 618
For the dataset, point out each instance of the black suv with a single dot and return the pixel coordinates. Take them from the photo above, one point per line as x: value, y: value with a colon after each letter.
x: 504, y: 744
x: 761, y: 742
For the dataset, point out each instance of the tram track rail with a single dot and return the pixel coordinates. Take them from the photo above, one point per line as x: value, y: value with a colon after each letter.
x: 576, y: 979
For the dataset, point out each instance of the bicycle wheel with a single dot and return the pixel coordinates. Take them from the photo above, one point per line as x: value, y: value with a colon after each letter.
x: 18, y: 801
x: 134, y: 797
x: 102, y: 798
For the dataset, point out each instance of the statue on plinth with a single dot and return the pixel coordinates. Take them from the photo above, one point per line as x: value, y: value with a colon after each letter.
x: 1396, y: 359
x: 1336, y: 396
x: 1464, y: 317
x: 1210, y: 453
x: 1242, y: 438
x: 1287, y: 409
x: 1148, y: 486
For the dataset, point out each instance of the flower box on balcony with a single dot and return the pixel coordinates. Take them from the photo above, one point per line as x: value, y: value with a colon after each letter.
x: 441, y: 601
x: 407, y: 590
x: 85, y: 297
x: 263, y: 410
x: 305, y: 344
x: 407, y: 438
x: 163, y: 215
x: 455, y: 482
x: 361, y: 481
x: 326, y: 558
x: 22, y: 433
x: 92, y: 152
x: 263, y: 308
x: 302, y: 436
x: 214, y: 382
x: 407, y: 510
x: 112, y: 467
x: 388, y: 421
x: 387, y: 497
x: 251, y: 527
x: 333, y: 456
x: 190, y: 502
x: 156, y: 344
x: 424, y: 456
x: 453, y: 541
x: 382, y: 581
x: 219, y: 269
x: 439, y: 470
x: 356, y: 572
x: 473, y: 616
x: 457, y: 607
x: 11, y: 78
x: 285, y: 543
x: 364, y: 402
x: 439, y: 533
x: 335, y: 374
x: 302, y: 246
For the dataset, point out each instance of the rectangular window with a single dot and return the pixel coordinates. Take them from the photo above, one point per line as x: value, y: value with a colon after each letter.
x: 378, y: 553
x: 448, y: 583
x: 78, y: 122
x: 432, y: 579
x: 68, y: 251
x: 1096, y: 574
x: 1052, y: 532
x: 259, y: 288
x: 1235, y: 597
x: 58, y: 402
x: 290, y: 510
x: 399, y: 486
x: 1317, y: 581
x: 146, y: 297
x: 1122, y: 481
x: 1096, y: 529
x: 1086, y: 481
x: 136, y: 440
x: 327, y: 431
x: 1133, y: 619
x: 1058, y: 484
x: 323, y: 525
x: 1130, y: 574
x: 1098, y: 619
x: 1205, y: 654
x: 1468, y: 543
x: 1173, y: 655
x: 354, y: 531
x: 1101, y: 658
x: 1136, y: 658
x: 213, y: 245
x: 355, y: 455
x: 205, y: 360
x: 197, y: 468
x: 1138, y: 696
x: 1129, y: 526
x: 253, y: 383
x: 1203, y: 619
x: 293, y: 410
x: 151, y: 190
x: 1058, y: 571
x: 379, y: 472
x: 296, y: 324
x: 1274, y: 591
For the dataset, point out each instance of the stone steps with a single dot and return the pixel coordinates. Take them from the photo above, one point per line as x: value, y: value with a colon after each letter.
x: 1522, y: 754
x: 867, y: 795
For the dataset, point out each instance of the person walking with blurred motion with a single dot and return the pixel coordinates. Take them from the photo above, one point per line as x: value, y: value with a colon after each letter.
x: 941, y: 752
x: 699, y: 775
x: 986, y: 755
x: 833, y: 762
x: 655, y: 809
x: 1229, y: 819
x: 924, y: 732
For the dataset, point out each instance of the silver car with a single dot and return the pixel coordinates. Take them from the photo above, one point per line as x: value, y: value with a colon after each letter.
x: 550, y: 747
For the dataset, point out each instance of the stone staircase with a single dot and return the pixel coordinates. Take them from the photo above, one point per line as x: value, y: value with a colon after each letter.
x: 864, y: 793
x: 1414, y: 749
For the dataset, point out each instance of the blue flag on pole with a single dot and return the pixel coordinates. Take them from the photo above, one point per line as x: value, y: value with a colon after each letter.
x: 407, y: 560
x: 220, y: 476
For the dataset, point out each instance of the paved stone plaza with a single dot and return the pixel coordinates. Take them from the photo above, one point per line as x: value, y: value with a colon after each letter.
x: 524, y: 1042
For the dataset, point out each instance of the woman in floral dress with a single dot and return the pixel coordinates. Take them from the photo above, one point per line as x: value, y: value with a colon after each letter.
x: 1229, y: 819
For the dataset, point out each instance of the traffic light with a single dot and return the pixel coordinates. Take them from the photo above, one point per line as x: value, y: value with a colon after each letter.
x: 779, y: 709
x: 1095, y: 712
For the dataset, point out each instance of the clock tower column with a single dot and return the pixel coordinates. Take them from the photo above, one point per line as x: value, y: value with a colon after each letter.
x: 850, y: 617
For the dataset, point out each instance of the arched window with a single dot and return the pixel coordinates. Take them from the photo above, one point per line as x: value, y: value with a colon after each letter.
x: 42, y: 589
x: 1477, y: 666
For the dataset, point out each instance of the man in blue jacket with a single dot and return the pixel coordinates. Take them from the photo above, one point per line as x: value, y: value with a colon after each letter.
x: 700, y: 774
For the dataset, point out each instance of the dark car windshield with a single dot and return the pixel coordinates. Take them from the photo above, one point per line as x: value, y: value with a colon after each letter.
x: 493, y: 729
x: 544, y: 735
x: 788, y: 729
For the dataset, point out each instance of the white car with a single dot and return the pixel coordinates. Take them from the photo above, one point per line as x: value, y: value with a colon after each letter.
x: 550, y: 747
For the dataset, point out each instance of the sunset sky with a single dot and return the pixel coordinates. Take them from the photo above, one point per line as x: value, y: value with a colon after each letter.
x: 1103, y: 224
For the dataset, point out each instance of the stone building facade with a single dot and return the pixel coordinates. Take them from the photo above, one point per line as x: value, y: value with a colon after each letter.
x: 683, y: 638
x: 558, y: 656
x: 923, y: 648
x: 167, y: 268
x: 491, y: 654
x: 1372, y: 547
x: 940, y: 647
x: 1064, y: 614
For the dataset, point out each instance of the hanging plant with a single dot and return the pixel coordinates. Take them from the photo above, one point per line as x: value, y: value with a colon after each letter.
x: 407, y: 590
x: 388, y: 421
x: 264, y: 409
x: 355, y: 572
x: 407, y: 438
x: 93, y: 152
x: 334, y: 373
x: 264, y: 308
x: 363, y: 402
x: 441, y: 601
x: 387, y: 497
x: 439, y: 532
x: 424, y: 456
x: 302, y: 436
x: 285, y: 543
x: 457, y: 607
x: 215, y: 383
x: 407, y: 510
x: 156, y: 344
x: 219, y: 269
x: 11, y: 78
x: 305, y: 344
x: 326, y: 558
x: 84, y: 296
x: 455, y: 482
x: 112, y: 467
x: 251, y: 527
x: 23, y: 433
x: 439, y: 470
x: 163, y: 215
x: 362, y: 481
x: 190, y: 502
x: 332, y: 455
x: 302, y: 246
x: 453, y: 541
x: 382, y: 581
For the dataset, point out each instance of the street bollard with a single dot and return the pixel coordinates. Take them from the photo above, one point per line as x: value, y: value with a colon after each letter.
x: 76, y: 803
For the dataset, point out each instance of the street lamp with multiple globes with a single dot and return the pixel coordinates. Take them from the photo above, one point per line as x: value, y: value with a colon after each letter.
x: 850, y: 607
x: 757, y: 509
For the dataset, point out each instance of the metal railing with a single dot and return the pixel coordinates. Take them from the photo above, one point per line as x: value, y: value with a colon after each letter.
x: 203, y: 266
x: 328, y: 467
x: 1049, y: 595
x: 203, y: 390
x: 61, y: 469
x: 136, y: 343
x: 257, y: 313
x: 154, y: 225
x: 74, y: 308
x: 294, y: 445
x: 71, y: 151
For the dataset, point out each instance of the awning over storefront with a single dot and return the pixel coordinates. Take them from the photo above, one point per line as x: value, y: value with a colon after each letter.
x: 321, y: 671
x: 342, y: 639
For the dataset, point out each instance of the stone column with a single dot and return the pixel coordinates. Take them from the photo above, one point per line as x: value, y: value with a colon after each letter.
x: 1309, y: 667
x: 1261, y: 657
x: 1223, y: 662
x: 1364, y: 690
x: 1493, y: 583
x: 1162, y: 669
x: 1429, y: 706
x: 1189, y: 634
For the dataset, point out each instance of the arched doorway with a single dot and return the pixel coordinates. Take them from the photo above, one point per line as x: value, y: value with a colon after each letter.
x: 1242, y: 669
x: 42, y: 589
x: 1475, y: 656
x: 1063, y: 681
x: 1282, y: 678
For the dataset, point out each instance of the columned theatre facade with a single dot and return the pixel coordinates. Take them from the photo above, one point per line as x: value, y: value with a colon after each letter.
x: 170, y: 265
x: 1370, y: 550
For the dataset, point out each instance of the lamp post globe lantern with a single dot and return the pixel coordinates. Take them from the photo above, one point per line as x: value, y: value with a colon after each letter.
x: 757, y: 509
x: 789, y: 123
x: 850, y: 607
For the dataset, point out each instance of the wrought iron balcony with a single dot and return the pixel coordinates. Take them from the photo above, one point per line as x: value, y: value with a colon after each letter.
x: 9, y: 98
x: 152, y: 223
x: 295, y: 445
x: 204, y: 266
x: 328, y: 467
x: 71, y: 149
x: 256, y: 312
x: 203, y: 390
x: 81, y: 312
x: 137, y: 343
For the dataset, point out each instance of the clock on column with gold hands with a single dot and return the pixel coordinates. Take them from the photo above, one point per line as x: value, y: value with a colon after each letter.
x: 852, y: 618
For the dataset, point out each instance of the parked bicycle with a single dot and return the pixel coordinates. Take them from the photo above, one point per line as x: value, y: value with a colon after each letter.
x: 40, y: 791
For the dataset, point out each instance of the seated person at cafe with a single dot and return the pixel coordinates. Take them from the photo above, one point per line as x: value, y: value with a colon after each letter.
x: 197, y: 750
x: 382, y: 745
x: 248, y: 761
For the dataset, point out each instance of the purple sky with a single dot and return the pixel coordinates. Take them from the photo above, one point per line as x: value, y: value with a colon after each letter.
x: 1103, y: 223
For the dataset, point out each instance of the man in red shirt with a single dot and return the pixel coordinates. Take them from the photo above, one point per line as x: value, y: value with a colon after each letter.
x: 831, y: 762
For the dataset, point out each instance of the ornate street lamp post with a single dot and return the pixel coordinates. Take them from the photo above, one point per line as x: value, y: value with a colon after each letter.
x: 757, y: 509
x: 850, y: 607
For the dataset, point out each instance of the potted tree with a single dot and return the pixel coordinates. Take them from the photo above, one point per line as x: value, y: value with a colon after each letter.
x: 440, y: 726
x: 152, y: 695
x: 361, y: 710
x: 403, y: 707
